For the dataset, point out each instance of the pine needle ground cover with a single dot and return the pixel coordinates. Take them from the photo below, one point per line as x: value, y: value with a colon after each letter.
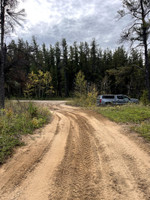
x: 137, y: 116
x: 19, y: 119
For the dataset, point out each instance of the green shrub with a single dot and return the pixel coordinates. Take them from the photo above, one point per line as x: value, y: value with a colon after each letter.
x: 85, y: 95
x: 32, y: 110
x: 137, y: 116
x: 144, y: 98
x: 80, y: 85
x: 91, y: 97
x: 144, y: 129
x: 19, y: 119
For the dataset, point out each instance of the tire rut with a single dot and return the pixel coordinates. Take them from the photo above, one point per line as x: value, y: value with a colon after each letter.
x: 25, y: 164
x: 78, y: 176
x: 125, y: 167
x: 26, y: 182
x: 79, y: 156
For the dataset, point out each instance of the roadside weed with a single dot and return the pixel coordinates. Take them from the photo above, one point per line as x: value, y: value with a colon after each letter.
x: 137, y: 116
x: 143, y: 129
x: 19, y: 119
x: 126, y: 113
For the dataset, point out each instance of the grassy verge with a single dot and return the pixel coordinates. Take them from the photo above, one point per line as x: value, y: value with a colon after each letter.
x: 131, y: 113
x: 18, y: 119
x: 136, y: 115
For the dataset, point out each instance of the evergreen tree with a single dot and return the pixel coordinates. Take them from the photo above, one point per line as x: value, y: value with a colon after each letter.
x: 46, y: 58
x: 37, y: 60
x: 53, y: 68
x: 76, y: 56
x: 112, y: 72
x: 139, y: 31
x: 65, y: 66
x: 9, y: 17
x: 86, y: 66
x: 58, y: 66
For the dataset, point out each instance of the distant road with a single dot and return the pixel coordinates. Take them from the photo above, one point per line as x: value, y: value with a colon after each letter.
x: 44, y: 101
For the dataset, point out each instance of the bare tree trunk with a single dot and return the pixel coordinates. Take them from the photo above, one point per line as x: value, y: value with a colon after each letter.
x: 147, y: 73
x: 2, y: 92
x: 145, y: 37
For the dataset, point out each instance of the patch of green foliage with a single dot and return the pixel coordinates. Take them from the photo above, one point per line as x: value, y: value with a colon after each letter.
x: 144, y: 129
x: 138, y: 116
x: 44, y: 83
x: 85, y: 95
x: 144, y: 98
x: 130, y: 113
x: 19, y: 119
x: 84, y: 100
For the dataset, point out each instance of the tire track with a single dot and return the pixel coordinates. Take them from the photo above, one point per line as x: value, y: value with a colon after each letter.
x: 79, y: 156
x: 30, y: 184
x: 126, y: 168
x: 26, y: 159
x: 78, y: 176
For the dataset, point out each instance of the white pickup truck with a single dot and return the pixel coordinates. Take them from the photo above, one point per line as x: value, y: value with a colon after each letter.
x: 114, y: 99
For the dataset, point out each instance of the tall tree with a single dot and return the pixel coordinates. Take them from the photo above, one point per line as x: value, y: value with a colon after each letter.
x: 53, y: 68
x: 71, y: 68
x: 86, y: 66
x: 76, y: 56
x: 58, y: 66
x: 93, y: 61
x: 9, y: 17
x: 65, y: 64
x: 119, y: 57
x: 37, y: 55
x: 139, y: 31
x: 46, y: 59
x: 16, y: 68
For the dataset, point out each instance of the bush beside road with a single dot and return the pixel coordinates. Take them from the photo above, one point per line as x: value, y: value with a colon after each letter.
x: 19, y: 119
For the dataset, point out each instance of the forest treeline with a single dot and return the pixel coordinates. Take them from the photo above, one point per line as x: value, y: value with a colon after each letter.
x: 47, y: 71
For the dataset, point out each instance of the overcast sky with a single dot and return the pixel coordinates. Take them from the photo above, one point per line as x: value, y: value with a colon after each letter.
x: 76, y: 20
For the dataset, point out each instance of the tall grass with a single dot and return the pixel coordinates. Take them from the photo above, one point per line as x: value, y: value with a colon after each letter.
x: 130, y: 113
x: 18, y: 119
x: 137, y: 116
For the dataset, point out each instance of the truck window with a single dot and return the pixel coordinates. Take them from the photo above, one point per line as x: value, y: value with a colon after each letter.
x: 108, y: 97
x: 120, y: 97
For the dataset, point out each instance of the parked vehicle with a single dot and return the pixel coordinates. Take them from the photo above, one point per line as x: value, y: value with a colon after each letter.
x: 130, y: 100
x: 114, y: 99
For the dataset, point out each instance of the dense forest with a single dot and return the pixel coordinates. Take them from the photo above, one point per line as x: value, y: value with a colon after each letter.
x: 42, y: 71
x: 45, y: 71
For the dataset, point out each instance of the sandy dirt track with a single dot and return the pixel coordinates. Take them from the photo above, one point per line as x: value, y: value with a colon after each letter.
x: 80, y: 155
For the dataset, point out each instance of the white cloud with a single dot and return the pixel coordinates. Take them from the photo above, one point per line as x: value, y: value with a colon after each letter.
x: 75, y: 20
x: 37, y: 11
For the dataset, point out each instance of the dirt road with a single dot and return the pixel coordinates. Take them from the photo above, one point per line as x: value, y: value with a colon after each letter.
x: 78, y: 156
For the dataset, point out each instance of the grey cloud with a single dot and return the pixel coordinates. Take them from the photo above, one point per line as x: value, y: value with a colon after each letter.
x: 80, y: 21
